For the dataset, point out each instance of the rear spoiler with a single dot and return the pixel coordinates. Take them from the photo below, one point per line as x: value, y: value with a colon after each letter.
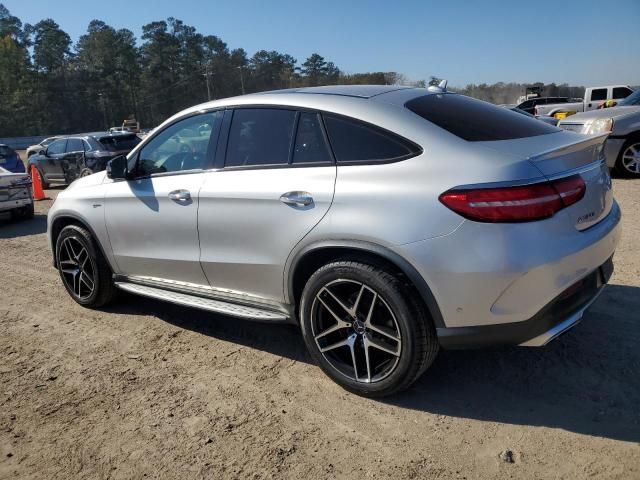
x: 581, y: 143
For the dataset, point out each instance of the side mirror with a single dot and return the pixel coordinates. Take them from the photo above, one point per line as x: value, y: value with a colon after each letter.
x: 117, y: 168
x: 43, y: 152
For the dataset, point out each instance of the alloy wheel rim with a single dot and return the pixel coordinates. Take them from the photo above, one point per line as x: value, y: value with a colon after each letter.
x: 77, y: 268
x: 356, y: 331
x: 631, y: 158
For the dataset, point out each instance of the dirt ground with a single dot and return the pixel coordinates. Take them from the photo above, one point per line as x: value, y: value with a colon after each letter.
x: 145, y: 389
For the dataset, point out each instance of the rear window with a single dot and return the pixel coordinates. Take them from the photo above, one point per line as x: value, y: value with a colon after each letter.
x: 119, y: 142
x: 5, y: 151
x: 474, y: 120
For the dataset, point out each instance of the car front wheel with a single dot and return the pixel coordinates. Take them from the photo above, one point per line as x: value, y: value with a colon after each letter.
x: 365, y: 328
x: 82, y: 267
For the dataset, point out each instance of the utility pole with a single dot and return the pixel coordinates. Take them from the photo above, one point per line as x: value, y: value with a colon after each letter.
x: 207, y: 74
x: 241, y: 79
x: 104, y: 111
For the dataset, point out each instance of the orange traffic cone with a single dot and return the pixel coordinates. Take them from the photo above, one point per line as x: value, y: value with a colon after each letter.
x: 38, y: 193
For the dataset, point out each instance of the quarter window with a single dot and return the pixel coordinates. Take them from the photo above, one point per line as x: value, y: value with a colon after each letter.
x: 260, y: 136
x: 311, y: 146
x: 599, y: 94
x: 181, y: 146
x: 354, y: 141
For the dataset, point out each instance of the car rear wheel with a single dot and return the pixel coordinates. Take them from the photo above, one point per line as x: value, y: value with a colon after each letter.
x: 628, y: 163
x: 82, y: 267
x: 365, y: 329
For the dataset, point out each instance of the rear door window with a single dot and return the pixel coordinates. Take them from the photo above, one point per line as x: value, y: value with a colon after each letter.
x: 355, y: 141
x: 74, y: 145
x: 474, y: 120
x: 311, y: 144
x: 598, y: 94
x: 621, y: 92
x: 260, y: 136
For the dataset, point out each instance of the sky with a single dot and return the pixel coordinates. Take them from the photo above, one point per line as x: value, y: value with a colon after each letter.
x: 580, y: 42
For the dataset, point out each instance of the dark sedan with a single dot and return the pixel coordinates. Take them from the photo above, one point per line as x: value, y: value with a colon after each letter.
x: 68, y: 158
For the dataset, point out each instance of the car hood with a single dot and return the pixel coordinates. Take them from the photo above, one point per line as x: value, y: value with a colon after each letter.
x: 612, y: 112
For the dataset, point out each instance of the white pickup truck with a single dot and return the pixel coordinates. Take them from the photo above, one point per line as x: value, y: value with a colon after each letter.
x: 593, y: 98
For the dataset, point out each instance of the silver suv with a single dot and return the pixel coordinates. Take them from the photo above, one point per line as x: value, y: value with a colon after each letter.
x: 386, y: 221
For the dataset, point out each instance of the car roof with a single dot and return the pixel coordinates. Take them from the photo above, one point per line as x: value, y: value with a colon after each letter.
x: 361, y: 91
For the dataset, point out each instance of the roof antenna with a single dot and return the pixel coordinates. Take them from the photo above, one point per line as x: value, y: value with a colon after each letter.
x: 440, y: 88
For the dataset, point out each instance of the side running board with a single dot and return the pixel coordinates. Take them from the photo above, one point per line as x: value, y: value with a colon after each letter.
x: 209, y: 304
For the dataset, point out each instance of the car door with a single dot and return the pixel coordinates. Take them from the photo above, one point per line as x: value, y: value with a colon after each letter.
x: 73, y: 159
x: 51, y: 161
x: 151, y: 218
x: 274, y: 183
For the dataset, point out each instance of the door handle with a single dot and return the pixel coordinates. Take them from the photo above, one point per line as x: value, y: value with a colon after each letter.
x: 297, y: 199
x: 180, y: 195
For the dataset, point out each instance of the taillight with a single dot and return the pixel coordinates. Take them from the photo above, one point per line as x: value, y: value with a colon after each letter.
x: 515, y: 204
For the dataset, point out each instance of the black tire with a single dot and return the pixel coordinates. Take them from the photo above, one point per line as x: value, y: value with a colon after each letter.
x: 85, y: 172
x: 23, y: 213
x: 620, y: 166
x: 103, y: 290
x: 417, y: 344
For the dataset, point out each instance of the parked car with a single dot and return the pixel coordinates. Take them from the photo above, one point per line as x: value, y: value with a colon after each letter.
x: 530, y: 104
x: 10, y: 159
x: 549, y: 120
x: 622, y: 123
x: 15, y: 194
x: 68, y: 158
x: 40, y: 146
x: 385, y: 221
x: 593, y: 98
x: 118, y: 130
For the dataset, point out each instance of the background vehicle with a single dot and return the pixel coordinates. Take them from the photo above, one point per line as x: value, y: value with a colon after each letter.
x: 530, y: 104
x: 131, y: 125
x: 68, y: 158
x: 622, y: 123
x: 593, y: 98
x: 119, y: 130
x: 15, y: 194
x: 549, y: 120
x: 40, y: 146
x: 388, y: 221
x: 10, y: 160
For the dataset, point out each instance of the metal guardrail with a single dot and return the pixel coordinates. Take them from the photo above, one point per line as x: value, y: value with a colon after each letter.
x: 20, y: 143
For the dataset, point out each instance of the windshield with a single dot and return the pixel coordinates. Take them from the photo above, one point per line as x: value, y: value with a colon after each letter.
x: 633, y: 99
x: 119, y: 142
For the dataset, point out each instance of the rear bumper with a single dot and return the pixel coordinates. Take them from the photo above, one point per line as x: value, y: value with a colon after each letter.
x: 11, y: 204
x: 562, y: 313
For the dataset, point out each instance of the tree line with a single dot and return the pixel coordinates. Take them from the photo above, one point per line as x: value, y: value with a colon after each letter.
x: 49, y: 85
